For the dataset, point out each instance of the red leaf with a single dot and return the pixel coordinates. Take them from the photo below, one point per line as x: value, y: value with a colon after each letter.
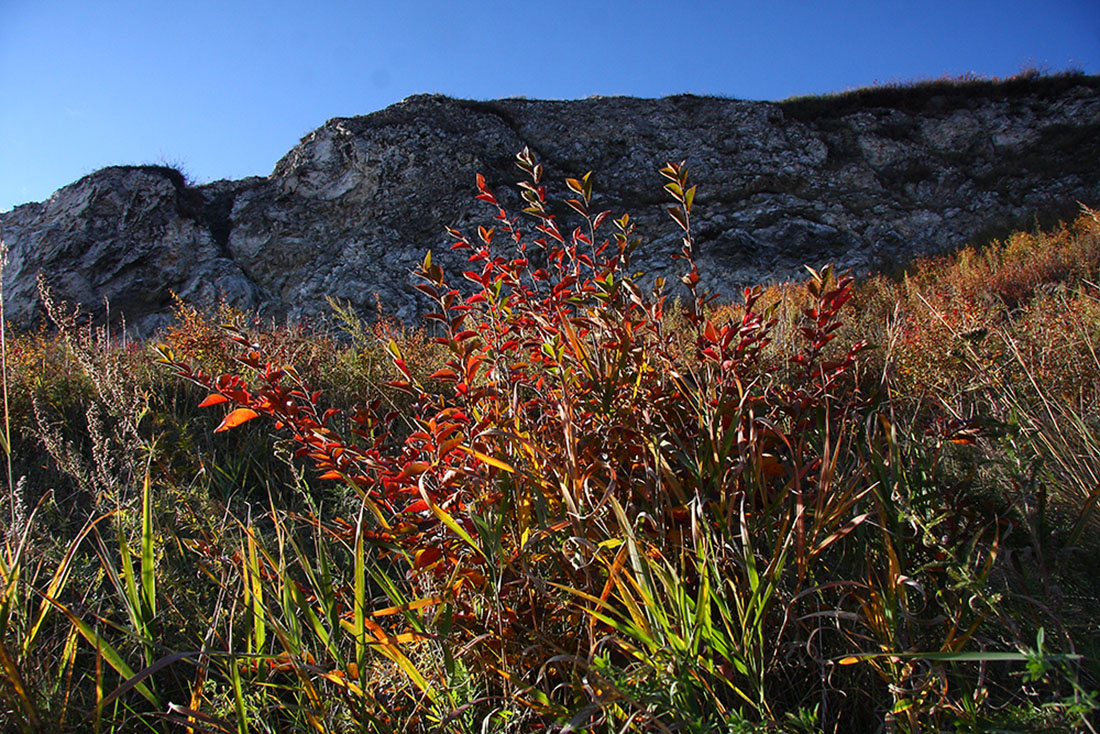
x: 709, y: 332
x: 418, y: 506
x: 426, y: 557
x: 443, y: 374
x: 415, y: 468
x: 213, y: 399
x: 676, y: 213
x: 236, y: 418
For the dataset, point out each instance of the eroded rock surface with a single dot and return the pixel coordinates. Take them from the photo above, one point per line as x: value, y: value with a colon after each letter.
x: 861, y: 180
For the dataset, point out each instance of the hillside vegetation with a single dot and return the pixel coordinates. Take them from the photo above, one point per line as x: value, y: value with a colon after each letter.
x: 568, y: 502
x: 933, y: 95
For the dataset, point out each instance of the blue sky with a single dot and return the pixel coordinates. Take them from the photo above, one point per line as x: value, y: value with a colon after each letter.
x: 223, y: 89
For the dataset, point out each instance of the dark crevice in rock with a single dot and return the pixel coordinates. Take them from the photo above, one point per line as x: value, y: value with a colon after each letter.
x: 1062, y: 149
x: 217, y: 215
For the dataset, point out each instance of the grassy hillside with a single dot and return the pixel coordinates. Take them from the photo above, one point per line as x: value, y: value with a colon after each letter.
x: 936, y: 96
x: 565, y: 503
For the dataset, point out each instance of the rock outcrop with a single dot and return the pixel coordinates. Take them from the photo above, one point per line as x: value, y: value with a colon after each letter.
x: 860, y: 180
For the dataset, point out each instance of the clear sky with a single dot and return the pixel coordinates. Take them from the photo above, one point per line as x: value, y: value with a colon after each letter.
x: 224, y: 88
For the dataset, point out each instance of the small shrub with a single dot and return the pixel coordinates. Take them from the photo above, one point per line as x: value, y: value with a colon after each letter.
x: 569, y: 501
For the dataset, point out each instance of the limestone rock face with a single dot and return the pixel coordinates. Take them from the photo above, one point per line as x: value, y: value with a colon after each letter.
x: 860, y: 180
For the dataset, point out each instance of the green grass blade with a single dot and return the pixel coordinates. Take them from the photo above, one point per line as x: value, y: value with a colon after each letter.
x: 360, y: 601
x: 148, y: 559
x: 133, y: 601
x: 15, y: 684
x: 255, y: 591
x: 108, y: 652
x: 57, y: 582
x: 238, y: 696
x: 449, y: 521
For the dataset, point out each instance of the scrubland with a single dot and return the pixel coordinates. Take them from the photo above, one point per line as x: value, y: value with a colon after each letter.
x: 570, y: 502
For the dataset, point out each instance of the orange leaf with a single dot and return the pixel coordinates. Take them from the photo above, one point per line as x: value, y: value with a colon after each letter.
x: 236, y: 418
x: 485, y: 458
x: 450, y: 445
x: 213, y: 399
x: 408, y: 606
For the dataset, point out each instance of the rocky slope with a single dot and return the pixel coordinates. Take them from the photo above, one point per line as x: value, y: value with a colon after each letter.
x: 861, y: 180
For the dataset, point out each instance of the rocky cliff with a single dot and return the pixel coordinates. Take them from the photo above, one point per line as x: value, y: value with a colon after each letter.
x: 859, y: 180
